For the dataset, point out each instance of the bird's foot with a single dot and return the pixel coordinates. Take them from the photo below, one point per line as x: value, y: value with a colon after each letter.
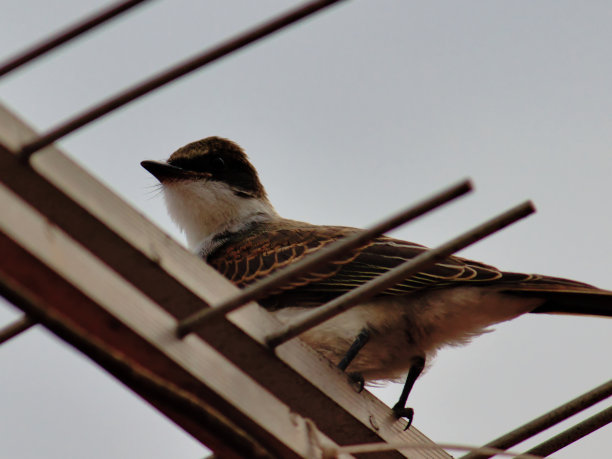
x: 400, y: 411
x: 357, y: 379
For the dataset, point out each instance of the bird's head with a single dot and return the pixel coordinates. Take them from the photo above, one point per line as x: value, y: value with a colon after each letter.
x: 211, y: 187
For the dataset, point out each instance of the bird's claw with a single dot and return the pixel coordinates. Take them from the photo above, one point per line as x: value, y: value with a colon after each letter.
x: 357, y: 379
x: 402, y: 412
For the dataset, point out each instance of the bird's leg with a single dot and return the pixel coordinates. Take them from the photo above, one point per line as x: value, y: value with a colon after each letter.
x: 357, y: 345
x: 399, y: 409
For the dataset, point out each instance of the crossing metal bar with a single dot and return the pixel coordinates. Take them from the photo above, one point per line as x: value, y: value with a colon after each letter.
x: 573, y: 434
x: 547, y: 420
x: 397, y: 274
x: 310, y: 263
x: 364, y: 448
x: 15, y: 328
x: 66, y: 35
x: 171, y: 74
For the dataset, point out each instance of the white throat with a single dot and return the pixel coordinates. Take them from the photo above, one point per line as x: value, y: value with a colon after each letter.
x: 203, y: 210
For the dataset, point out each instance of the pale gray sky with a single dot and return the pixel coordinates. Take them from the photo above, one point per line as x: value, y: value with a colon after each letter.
x: 348, y: 116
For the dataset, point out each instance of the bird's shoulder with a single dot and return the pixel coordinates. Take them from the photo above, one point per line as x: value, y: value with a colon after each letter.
x: 271, y: 245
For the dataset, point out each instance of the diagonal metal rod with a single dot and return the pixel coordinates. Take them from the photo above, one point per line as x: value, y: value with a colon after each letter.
x: 66, y: 35
x: 310, y: 263
x: 12, y: 330
x: 547, y: 420
x: 171, y: 74
x: 365, y: 448
x: 573, y: 434
x: 395, y: 275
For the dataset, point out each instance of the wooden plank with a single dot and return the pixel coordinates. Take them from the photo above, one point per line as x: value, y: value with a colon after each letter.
x: 38, y: 290
x: 179, y: 282
x: 108, y: 304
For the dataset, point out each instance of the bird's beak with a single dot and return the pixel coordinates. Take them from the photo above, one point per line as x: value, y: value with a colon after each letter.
x: 162, y: 171
x: 166, y: 172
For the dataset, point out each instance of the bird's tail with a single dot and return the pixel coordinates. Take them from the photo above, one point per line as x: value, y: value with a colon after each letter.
x: 563, y: 296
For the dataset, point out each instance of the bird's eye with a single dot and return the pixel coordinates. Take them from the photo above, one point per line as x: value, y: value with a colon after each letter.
x: 217, y: 164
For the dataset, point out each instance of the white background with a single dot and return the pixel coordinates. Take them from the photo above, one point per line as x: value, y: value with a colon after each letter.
x: 348, y: 116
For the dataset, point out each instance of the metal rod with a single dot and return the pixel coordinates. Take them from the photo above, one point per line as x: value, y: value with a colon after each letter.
x: 310, y: 263
x: 364, y: 448
x: 573, y: 434
x: 12, y: 330
x: 171, y: 74
x: 397, y: 274
x: 66, y: 35
x: 547, y: 420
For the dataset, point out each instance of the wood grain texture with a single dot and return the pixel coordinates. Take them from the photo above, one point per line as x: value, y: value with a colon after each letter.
x: 131, y: 313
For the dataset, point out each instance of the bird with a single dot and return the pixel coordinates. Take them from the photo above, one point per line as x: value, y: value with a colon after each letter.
x: 214, y: 195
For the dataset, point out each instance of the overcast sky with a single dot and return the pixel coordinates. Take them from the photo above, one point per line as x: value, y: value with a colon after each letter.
x: 348, y: 116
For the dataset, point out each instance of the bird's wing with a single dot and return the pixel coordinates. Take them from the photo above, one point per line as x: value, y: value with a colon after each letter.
x: 256, y: 254
x: 249, y: 257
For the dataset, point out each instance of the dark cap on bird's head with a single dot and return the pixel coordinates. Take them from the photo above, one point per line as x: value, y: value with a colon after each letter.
x: 213, y: 159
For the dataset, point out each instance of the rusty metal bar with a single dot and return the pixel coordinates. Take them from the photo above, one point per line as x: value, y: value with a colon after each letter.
x: 66, y: 35
x: 397, y: 274
x: 547, y: 420
x: 261, y: 289
x: 573, y: 434
x: 12, y: 330
x: 369, y: 448
x: 171, y: 74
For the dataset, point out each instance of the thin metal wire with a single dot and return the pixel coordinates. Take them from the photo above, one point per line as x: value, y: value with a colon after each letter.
x: 310, y: 263
x: 365, y: 448
x: 66, y: 35
x: 573, y: 434
x: 397, y: 274
x: 17, y: 327
x: 547, y: 420
x: 171, y: 74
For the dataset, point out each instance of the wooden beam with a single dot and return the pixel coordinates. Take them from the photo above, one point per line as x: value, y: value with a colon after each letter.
x: 64, y: 286
x: 157, y: 270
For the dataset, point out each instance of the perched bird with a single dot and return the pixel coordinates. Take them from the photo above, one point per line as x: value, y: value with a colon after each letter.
x: 214, y: 195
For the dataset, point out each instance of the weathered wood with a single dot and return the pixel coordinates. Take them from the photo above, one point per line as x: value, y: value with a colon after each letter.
x: 109, y: 305
x: 181, y: 283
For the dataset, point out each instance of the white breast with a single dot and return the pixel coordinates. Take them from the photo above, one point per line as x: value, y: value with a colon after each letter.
x: 203, y: 209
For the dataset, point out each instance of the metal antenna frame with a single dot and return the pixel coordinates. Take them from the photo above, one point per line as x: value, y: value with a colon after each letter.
x: 199, y: 321
x: 179, y: 70
x: 69, y: 33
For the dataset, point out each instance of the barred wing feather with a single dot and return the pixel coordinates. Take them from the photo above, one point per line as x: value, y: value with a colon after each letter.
x: 248, y: 257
